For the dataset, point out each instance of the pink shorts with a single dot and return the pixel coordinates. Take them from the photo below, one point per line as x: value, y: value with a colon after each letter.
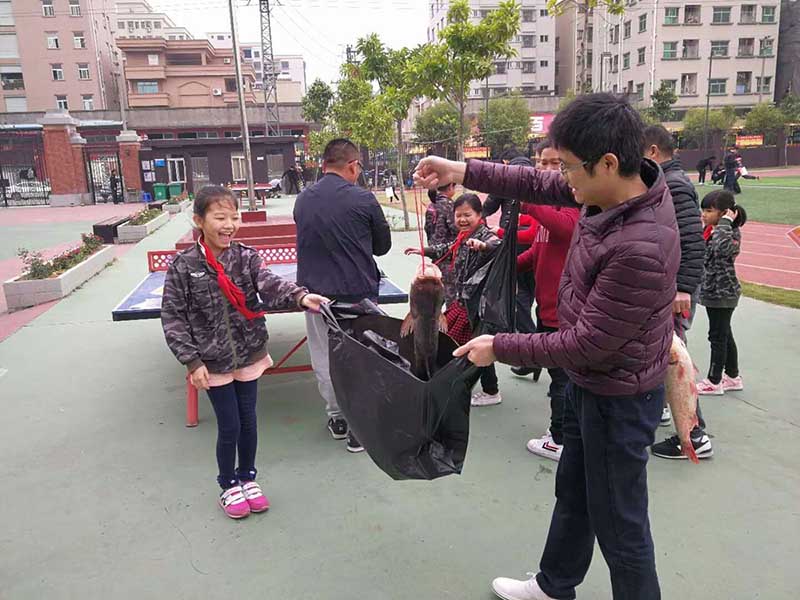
x: 248, y: 373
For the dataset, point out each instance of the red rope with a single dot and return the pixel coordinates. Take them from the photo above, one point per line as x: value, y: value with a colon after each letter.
x: 417, y: 207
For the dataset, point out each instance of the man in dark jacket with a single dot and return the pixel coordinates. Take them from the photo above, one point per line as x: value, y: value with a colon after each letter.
x: 730, y: 171
x: 616, y: 328
x: 339, y: 228
x: 660, y: 148
x: 705, y: 164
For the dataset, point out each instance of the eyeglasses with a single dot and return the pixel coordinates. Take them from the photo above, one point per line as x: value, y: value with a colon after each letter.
x: 357, y: 161
x: 566, y: 169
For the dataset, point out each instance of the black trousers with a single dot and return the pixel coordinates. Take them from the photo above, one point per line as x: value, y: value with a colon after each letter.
x: 557, y: 392
x: 526, y: 287
x: 601, y: 491
x: 701, y: 176
x: 724, y: 353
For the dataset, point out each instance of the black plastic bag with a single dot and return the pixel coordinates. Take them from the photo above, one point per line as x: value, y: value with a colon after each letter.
x: 414, y: 429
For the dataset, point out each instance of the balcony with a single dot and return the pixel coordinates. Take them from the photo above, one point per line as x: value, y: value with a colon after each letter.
x: 145, y: 72
x: 160, y: 99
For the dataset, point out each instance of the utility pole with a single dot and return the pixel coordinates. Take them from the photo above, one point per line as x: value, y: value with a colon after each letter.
x: 122, y: 89
x: 762, y: 50
x: 583, y: 79
x: 272, y: 121
x: 351, y: 55
x: 708, y: 100
x: 237, y: 61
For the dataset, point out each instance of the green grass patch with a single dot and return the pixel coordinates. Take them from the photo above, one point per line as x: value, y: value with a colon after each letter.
x: 773, y: 295
x: 764, y: 203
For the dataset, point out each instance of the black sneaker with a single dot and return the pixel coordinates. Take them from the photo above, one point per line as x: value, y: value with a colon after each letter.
x: 338, y: 428
x: 353, y: 445
x: 671, y: 447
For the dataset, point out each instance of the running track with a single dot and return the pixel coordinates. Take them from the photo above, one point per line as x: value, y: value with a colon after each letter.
x: 770, y: 255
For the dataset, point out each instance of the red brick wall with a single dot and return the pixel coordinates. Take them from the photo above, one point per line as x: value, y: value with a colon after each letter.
x: 65, y: 166
x: 131, y: 171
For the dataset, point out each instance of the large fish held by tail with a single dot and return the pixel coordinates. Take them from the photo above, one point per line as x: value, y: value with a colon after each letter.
x: 682, y: 395
x: 425, y: 318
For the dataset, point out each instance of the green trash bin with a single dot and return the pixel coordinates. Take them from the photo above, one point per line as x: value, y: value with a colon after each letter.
x: 160, y: 191
x: 175, y: 190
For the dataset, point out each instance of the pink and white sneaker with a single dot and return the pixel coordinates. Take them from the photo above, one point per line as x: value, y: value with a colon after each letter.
x: 233, y: 502
x: 255, y: 497
x: 732, y: 384
x: 706, y: 388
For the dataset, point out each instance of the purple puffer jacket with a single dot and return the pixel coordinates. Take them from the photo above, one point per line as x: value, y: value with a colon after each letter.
x: 616, y: 292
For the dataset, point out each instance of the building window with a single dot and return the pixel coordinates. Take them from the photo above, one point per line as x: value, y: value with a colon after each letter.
x: 12, y: 80
x: 238, y: 167
x: 615, y: 34
x: 120, y: 24
x: 47, y: 8
x: 743, y: 82
x: 765, y: 46
x: 642, y: 23
x: 52, y: 41
x: 747, y: 14
x: 177, y: 169
x: 88, y: 102
x: 670, y: 50
x: 640, y: 91
x: 543, y: 88
x: 152, y: 60
x: 61, y: 102
x: 156, y: 24
x: 589, y: 58
x: 284, y: 65
x: 629, y: 89
x: 247, y: 53
x: 57, y: 72
x: 78, y: 39
x: 626, y: 61
x: 670, y: 84
x: 230, y: 84
x: 689, y: 84
x: 74, y: 8
x: 640, y: 55
x: 528, y: 16
x: 528, y: 41
x: 529, y: 66
x: 500, y: 68
x: 747, y: 46
x: 717, y: 87
x: 544, y: 39
x: 763, y: 85
x: 721, y: 15
x: 767, y: 14
x: 187, y: 135
x: 590, y: 34
x: 671, y: 15
x: 691, y: 49
x: 626, y: 30
x: 691, y: 14
x: 615, y: 63
x: 83, y: 71
x: 543, y: 63
x: 146, y: 87
x: 719, y: 48
x: 543, y: 12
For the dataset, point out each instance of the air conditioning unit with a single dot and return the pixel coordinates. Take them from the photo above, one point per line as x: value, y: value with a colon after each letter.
x: 227, y: 61
x: 216, y: 92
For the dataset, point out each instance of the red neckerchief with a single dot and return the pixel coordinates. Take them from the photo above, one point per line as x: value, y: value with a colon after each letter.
x: 231, y: 291
x: 707, y: 232
x: 462, y: 235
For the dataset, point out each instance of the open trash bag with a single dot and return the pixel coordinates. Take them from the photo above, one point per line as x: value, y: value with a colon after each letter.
x: 413, y: 429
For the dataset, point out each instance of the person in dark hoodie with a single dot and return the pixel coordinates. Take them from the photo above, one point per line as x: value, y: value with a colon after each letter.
x: 615, y: 331
x: 659, y: 147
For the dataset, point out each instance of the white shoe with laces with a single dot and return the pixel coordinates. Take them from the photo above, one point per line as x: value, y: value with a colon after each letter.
x: 484, y: 399
x: 515, y: 589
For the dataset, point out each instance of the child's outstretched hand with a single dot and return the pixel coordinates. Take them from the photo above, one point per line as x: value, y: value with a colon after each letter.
x: 416, y: 251
x: 474, y: 244
x: 199, y: 378
x: 313, y: 302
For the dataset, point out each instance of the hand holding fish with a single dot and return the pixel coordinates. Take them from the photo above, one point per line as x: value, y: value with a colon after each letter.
x: 434, y: 172
x: 409, y: 251
x: 479, y: 350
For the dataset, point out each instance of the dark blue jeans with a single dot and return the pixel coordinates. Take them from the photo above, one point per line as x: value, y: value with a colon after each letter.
x: 601, y: 490
x: 235, y: 407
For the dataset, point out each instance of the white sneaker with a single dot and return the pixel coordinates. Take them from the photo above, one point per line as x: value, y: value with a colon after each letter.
x: 666, y: 417
x: 514, y: 589
x: 545, y: 446
x: 484, y: 399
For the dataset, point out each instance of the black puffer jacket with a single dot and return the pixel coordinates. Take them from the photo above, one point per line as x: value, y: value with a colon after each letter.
x: 687, y: 213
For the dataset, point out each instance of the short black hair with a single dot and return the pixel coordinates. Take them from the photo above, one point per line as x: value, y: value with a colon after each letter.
x: 596, y: 124
x: 471, y: 199
x: 510, y: 154
x: 657, y: 135
x: 725, y: 200
x: 543, y: 145
x: 210, y: 194
x: 442, y: 188
x: 339, y: 152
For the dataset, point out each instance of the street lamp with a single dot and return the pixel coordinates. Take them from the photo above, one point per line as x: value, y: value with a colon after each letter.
x: 764, y: 55
x: 708, y: 98
x: 603, y: 57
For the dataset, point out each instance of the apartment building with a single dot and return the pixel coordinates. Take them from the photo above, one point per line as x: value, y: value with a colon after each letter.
x: 726, y: 50
x: 57, y: 54
x: 574, y: 45
x: 137, y: 19
x: 532, y: 72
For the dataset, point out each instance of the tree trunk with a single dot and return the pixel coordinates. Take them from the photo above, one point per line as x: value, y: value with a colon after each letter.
x: 400, y: 173
x: 460, y: 149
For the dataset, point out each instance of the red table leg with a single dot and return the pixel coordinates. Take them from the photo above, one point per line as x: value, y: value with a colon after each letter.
x: 191, y: 404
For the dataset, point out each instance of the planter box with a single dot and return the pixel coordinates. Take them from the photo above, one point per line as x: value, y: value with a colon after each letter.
x: 175, y: 209
x: 130, y: 234
x: 24, y: 293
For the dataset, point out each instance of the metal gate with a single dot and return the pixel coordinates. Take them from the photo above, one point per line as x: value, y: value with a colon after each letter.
x: 23, y: 175
x: 103, y: 170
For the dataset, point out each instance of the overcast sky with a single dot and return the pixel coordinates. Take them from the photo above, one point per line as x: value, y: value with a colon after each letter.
x: 318, y: 29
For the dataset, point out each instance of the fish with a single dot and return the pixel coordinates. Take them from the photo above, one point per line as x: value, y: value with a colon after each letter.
x: 681, y: 392
x: 425, y: 318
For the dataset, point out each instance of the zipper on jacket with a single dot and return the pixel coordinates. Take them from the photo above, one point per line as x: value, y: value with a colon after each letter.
x: 230, y: 336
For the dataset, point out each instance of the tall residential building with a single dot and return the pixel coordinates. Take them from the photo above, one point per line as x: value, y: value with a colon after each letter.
x: 725, y: 51
x: 574, y: 40
x: 57, y: 54
x: 137, y: 19
x: 532, y: 71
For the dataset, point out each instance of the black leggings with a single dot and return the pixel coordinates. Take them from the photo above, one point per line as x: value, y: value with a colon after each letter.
x: 235, y: 406
x: 724, y: 354
x: 701, y: 173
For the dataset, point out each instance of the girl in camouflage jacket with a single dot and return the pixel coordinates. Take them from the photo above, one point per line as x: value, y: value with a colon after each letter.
x: 214, y: 325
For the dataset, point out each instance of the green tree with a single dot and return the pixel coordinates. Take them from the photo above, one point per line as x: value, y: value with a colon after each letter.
x: 663, y: 99
x: 720, y: 123
x: 508, y: 123
x: 374, y: 128
x: 317, y: 102
x: 767, y: 120
x: 438, y: 126
x: 790, y: 105
x: 568, y: 97
x: 352, y: 94
x: 465, y: 52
